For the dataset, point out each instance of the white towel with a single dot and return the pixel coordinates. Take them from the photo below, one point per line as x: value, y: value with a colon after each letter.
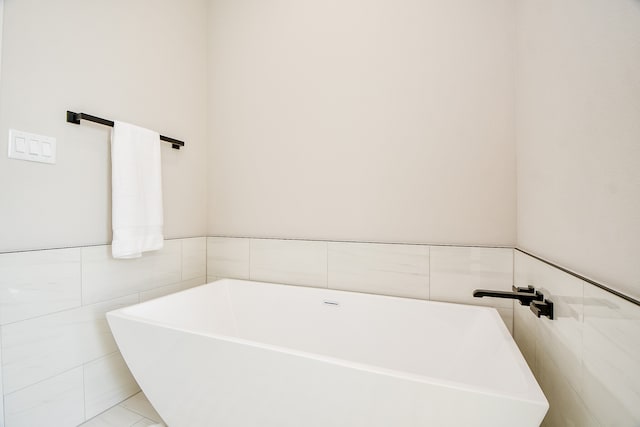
x: 136, y: 184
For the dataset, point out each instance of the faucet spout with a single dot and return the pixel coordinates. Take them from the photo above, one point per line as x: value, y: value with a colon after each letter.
x: 525, y: 298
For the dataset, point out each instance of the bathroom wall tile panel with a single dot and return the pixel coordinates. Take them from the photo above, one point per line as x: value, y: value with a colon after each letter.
x: 228, y: 257
x: 104, y: 278
x: 114, y: 417
x: 194, y: 258
x: 55, y: 402
x: 191, y: 283
x: 457, y: 271
x: 159, y: 292
x: 170, y: 289
x: 560, y: 338
x: 507, y: 317
x: 296, y: 262
x: 525, y: 333
x: 39, y: 348
x: 611, y: 358
x: 39, y: 282
x: 566, y: 408
x: 1, y: 390
x: 107, y: 382
x: 399, y: 270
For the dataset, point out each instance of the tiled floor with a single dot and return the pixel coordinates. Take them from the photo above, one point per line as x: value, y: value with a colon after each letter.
x: 133, y: 412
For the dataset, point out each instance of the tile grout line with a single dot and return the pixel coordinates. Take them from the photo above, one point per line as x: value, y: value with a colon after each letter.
x: 369, y: 242
x: 81, y: 276
x: 249, y: 266
x: 327, y: 254
x: 79, y: 307
x: 91, y: 245
x: 206, y: 260
x: 181, y: 260
x: 513, y: 283
x: 84, y: 394
x: 429, y: 275
x: 66, y: 371
x: 50, y: 377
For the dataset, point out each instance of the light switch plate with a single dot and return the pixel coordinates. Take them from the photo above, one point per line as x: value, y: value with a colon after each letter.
x: 31, y: 147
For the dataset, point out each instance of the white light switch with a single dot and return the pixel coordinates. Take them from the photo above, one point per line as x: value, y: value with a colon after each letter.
x: 31, y: 147
x: 46, y: 149
x: 21, y: 145
x: 34, y: 147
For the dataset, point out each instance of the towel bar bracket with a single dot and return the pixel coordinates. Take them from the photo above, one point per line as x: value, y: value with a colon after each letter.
x: 73, y: 117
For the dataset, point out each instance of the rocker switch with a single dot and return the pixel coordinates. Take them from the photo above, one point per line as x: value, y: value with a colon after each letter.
x: 34, y: 147
x: 21, y: 145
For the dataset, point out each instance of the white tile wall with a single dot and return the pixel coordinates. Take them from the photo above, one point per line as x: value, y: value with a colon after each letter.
x: 507, y: 317
x: 194, y: 258
x: 561, y: 338
x: 566, y: 408
x: 399, y: 270
x: 390, y: 269
x: 186, y: 284
x: 56, y: 402
x: 525, y: 334
x: 457, y: 271
x: 37, y: 283
x: 169, y: 289
x: 587, y: 359
x: 296, y: 262
x: 107, y: 382
x: 1, y: 390
x: 105, y: 278
x: 228, y: 257
x: 39, y: 348
x: 60, y: 364
x: 159, y: 292
x: 611, y: 364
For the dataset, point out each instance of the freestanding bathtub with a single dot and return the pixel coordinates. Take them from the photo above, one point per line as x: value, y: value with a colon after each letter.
x: 248, y: 354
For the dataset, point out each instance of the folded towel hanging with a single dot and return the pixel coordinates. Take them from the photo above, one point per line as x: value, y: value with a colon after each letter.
x: 136, y: 183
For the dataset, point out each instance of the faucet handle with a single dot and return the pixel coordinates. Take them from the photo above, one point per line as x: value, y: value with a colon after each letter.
x: 542, y: 308
x: 529, y: 289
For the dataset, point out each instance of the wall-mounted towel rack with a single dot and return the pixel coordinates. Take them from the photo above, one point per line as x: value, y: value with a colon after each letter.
x: 76, y: 117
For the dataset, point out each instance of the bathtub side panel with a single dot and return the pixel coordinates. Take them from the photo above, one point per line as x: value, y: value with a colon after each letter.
x: 195, y: 380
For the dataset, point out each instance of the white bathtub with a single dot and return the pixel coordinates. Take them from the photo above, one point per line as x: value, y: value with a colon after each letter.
x: 247, y: 354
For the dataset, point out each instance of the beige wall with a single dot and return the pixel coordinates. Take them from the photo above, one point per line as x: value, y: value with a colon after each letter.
x: 352, y: 120
x: 578, y: 133
x: 143, y: 62
x: 386, y: 121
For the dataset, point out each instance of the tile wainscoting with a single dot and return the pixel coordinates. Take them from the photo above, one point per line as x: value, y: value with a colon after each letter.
x: 61, y: 367
x: 60, y: 364
x: 441, y: 273
x: 587, y: 360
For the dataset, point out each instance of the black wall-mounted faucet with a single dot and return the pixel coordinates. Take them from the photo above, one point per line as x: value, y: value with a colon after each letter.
x: 525, y: 295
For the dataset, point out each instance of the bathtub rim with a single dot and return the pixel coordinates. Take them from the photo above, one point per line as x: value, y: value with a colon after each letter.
x: 533, y: 395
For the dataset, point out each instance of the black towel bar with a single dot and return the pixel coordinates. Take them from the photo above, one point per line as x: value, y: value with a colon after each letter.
x: 76, y: 117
